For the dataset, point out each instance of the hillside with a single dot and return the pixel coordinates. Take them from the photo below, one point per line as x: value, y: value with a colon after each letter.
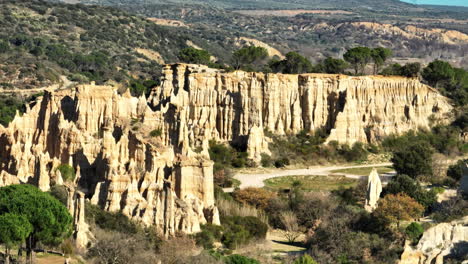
x: 324, y: 28
x: 40, y: 41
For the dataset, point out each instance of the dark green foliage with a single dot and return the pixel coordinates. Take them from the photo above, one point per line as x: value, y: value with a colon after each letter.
x: 209, y: 234
x: 411, y: 69
x: 305, y: 259
x: 452, y: 209
x: 60, y: 193
x: 4, y: 46
x: 456, y: 171
x: 226, y: 156
x: 414, y: 232
x: 412, y: 188
x: 67, y: 172
x: 294, y: 63
x: 379, y: 56
x: 50, y: 220
x: 444, y: 139
x: 115, y: 221
x: 451, y: 82
x: 14, y: 229
x: 193, y: 55
x: 8, y: 108
x: 248, y: 56
x: 347, y: 233
x: 438, y: 71
x: 156, y: 133
x: 266, y: 160
x: 414, y: 159
x: 240, y: 230
x: 356, y: 153
x: 358, y: 57
x: 281, y: 162
x: 239, y: 259
x: 331, y: 65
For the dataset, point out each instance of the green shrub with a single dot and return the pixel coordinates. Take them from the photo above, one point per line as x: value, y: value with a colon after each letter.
x: 60, y: 192
x: 282, y: 162
x: 239, y: 259
x: 115, y: 221
x: 266, y: 160
x: 305, y: 259
x: 156, y: 133
x: 412, y: 188
x: 240, y: 230
x: 67, y: 172
x: 414, y: 232
x: 456, y: 171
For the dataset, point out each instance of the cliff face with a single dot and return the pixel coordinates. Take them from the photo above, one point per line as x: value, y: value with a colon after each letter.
x: 438, y: 242
x: 106, y: 138
x: 239, y: 106
x: 165, y: 178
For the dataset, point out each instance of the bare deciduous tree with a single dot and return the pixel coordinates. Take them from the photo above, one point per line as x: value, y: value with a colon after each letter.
x: 292, y: 231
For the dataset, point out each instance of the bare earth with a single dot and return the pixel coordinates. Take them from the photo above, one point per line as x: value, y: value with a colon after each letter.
x: 256, y: 179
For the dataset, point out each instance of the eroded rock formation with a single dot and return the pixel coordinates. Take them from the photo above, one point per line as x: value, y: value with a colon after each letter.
x: 157, y: 180
x: 149, y: 158
x: 232, y: 106
x: 438, y: 242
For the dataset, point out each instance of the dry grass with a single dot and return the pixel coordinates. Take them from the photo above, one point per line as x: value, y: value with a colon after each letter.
x: 311, y: 183
x: 365, y: 171
x: 233, y: 208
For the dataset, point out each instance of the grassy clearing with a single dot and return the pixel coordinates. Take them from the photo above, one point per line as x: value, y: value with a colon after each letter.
x: 364, y: 171
x: 311, y: 183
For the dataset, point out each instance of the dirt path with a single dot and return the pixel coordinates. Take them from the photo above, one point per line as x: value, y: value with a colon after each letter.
x: 256, y: 179
x: 64, y: 84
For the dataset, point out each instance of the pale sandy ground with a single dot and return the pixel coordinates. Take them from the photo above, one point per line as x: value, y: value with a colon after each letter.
x: 256, y: 179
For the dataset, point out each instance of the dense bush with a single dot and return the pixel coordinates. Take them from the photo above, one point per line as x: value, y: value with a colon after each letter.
x: 305, y: 259
x: 456, y: 171
x: 67, y: 172
x: 239, y: 259
x: 414, y: 231
x: 407, y: 185
x: 240, y: 230
x: 208, y: 235
x: 60, y: 192
x: 8, y: 108
x: 256, y: 197
x: 413, y: 159
x: 193, y: 55
x: 115, y: 221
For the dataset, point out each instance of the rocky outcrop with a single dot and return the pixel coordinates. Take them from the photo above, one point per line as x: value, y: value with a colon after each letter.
x: 374, y: 188
x: 438, y: 242
x: 149, y: 158
x: 233, y: 107
x: 106, y: 138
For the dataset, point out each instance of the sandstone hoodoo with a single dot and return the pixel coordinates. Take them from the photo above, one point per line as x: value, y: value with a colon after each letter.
x: 235, y: 106
x: 106, y: 138
x: 149, y: 158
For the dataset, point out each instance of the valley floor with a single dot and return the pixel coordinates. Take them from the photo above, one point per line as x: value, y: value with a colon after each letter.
x: 257, y: 179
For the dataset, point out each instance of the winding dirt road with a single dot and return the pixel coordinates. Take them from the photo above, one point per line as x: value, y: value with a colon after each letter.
x: 256, y: 180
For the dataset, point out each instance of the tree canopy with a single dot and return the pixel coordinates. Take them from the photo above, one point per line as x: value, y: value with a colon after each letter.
x: 438, y: 71
x: 49, y: 219
x: 294, y: 63
x: 394, y: 208
x: 379, y: 56
x: 413, y: 159
x: 193, y: 55
x: 331, y: 65
x: 248, y: 55
x: 358, y: 57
